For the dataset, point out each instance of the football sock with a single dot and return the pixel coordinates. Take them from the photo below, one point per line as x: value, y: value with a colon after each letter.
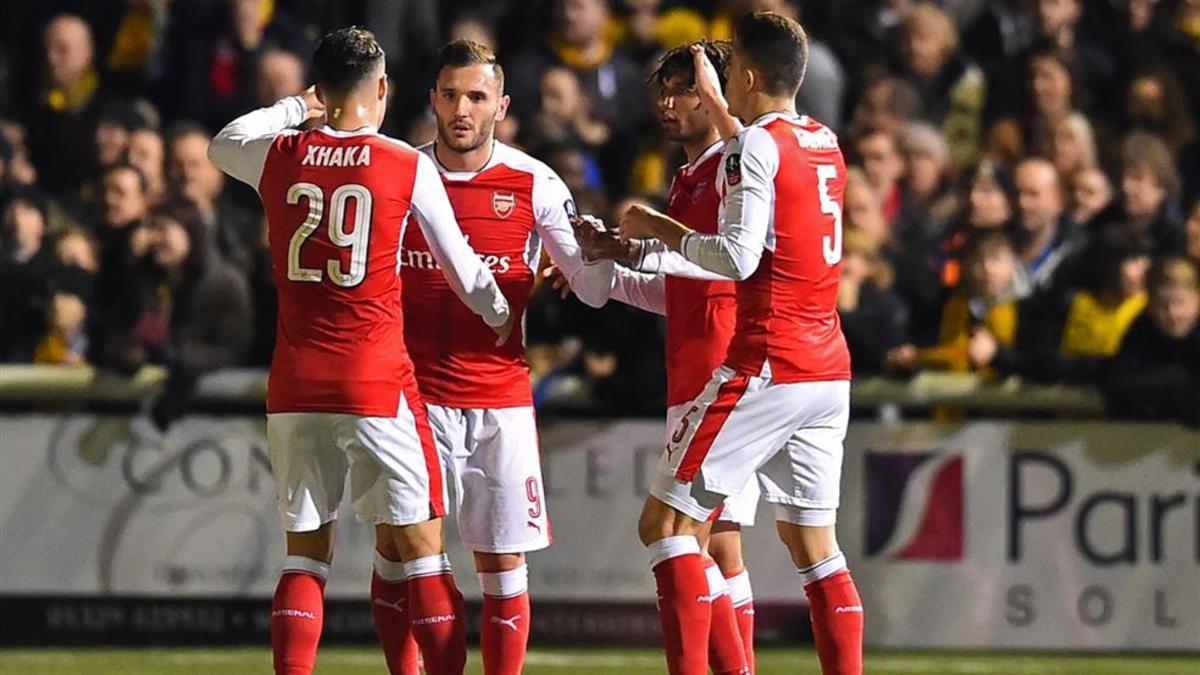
x: 837, y: 615
x: 505, y: 630
x: 742, y: 599
x: 436, y: 612
x: 683, y: 603
x: 297, y: 613
x: 725, y: 652
x: 389, y: 607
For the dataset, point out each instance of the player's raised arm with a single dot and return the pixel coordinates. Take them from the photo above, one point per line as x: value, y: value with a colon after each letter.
x: 553, y: 209
x: 748, y: 167
x: 240, y: 149
x: 469, y: 278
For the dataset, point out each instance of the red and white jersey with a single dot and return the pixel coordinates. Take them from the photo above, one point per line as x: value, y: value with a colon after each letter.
x: 337, y: 203
x: 782, y: 181
x: 507, y: 210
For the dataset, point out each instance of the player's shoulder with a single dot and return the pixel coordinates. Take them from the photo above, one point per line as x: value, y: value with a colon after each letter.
x: 519, y: 160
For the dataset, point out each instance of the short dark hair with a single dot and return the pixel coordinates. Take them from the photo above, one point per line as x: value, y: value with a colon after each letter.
x: 463, y: 53
x: 680, y: 63
x: 184, y: 128
x: 345, y: 57
x: 776, y: 47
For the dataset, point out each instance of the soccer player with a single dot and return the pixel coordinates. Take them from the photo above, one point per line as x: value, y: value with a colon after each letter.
x: 342, y: 396
x: 700, y: 310
x: 779, y: 405
x: 478, y: 394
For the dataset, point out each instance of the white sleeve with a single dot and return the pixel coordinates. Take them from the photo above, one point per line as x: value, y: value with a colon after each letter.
x: 644, y: 291
x: 747, y: 175
x: 468, y: 276
x: 240, y: 149
x: 657, y: 258
x: 552, y: 210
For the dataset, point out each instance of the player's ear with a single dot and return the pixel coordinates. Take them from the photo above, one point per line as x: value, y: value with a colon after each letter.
x: 502, y: 111
x: 751, y: 78
x: 383, y: 87
x: 320, y: 93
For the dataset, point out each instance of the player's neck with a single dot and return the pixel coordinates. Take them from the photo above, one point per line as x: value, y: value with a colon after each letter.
x: 469, y: 161
x: 350, y: 115
x: 762, y: 104
x: 694, y: 149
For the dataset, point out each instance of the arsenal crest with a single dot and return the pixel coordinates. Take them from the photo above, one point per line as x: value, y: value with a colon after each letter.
x: 504, y: 203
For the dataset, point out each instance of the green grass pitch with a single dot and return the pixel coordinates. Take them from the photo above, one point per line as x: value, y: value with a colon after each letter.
x: 348, y: 661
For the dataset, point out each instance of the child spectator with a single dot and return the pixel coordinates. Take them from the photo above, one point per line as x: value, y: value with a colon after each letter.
x: 977, y: 320
x: 24, y: 267
x: 65, y: 342
x: 874, y: 318
x: 1156, y: 373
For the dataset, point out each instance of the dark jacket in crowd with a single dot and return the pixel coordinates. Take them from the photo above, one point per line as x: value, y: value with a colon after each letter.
x: 1155, y: 376
x: 878, y: 324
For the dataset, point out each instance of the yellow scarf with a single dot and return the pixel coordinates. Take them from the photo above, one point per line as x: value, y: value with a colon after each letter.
x: 1094, y: 328
x: 76, y: 96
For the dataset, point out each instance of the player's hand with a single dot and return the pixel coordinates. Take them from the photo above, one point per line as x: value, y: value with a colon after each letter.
x: 708, y: 84
x: 638, y: 222
x: 596, y: 242
x: 504, y: 330
x: 558, y: 281
x: 315, y: 110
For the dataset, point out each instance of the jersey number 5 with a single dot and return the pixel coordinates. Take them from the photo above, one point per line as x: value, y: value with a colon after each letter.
x: 830, y: 246
x: 357, y: 241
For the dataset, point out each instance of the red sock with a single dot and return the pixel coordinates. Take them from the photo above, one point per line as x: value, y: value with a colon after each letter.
x: 504, y: 634
x: 389, y: 607
x: 438, y: 621
x: 837, y: 623
x: 725, y: 652
x: 297, y: 613
x: 683, y: 604
x: 742, y: 597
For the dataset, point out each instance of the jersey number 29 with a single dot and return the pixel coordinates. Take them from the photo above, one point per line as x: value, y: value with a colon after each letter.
x: 357, y: 241
x: 830, y: 246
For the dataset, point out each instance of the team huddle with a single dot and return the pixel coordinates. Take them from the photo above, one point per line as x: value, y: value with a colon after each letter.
x: 403, y: 274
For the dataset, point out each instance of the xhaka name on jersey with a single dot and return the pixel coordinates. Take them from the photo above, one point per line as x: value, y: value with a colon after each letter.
x: 336, y: 155
x: 423, y: 260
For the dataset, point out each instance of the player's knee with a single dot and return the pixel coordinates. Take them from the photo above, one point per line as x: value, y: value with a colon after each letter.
x: 725, y: 548
x: 498, y: 562
x: 417, y: 541
x: 315, y: 544
x: 808, y: 545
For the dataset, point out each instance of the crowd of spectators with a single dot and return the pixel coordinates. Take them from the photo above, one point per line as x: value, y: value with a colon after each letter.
x: 1023, y: 197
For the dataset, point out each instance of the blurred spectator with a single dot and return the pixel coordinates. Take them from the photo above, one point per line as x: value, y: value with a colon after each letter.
x: 279, y: 74
x: 1156, y: 373
x: 215, y: 52
x: 24, y: 270
x: 15, y: 167
x: 1091, y: 193
x: 1193, y: 233
x: 874, y: 318
x: 887, y: 103
x: 863, y: 210
x: 1058, y: 25
x: 1044, y: 239
x: 473, y: 28
x: 1072, y: 145
x: 1149, y: 188
x: 1156, y: 104
x: 979, y: 319
x: 195, y: 310
x: 146, y: 154
x: 929, y: 200
x: 76, y: 247
x: 1052, y: 93
x: 228, y: 225
x: 564, y: 117
x: 883, y: 163
x: 952, y: 88
x: 610, y: 80
x: 135, y: 56
x: 65, y: 341
x: 60, y: 124
x: 991, y: 205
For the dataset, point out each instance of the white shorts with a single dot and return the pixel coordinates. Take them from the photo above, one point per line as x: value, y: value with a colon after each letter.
x: 395, y: 475
x: 495, y: 469
x: 739, y: 508
x: 790, y: 435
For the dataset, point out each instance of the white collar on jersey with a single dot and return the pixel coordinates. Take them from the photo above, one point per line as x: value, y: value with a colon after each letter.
x: 767, y: 118
x: 708, y: 152
x: 498, y: 150
x: 365, y: 130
